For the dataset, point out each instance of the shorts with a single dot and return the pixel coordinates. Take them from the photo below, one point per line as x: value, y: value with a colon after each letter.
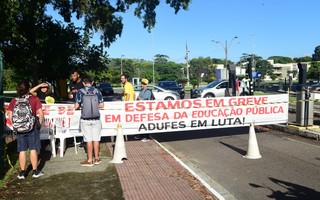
x: 30, y: 140
x: 91, y: 130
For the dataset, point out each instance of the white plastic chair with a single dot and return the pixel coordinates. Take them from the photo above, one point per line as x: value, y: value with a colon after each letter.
x: 63, y: 130
x: 47, y: 132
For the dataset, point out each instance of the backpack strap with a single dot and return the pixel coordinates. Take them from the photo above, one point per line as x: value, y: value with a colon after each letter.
x: 83, y: 90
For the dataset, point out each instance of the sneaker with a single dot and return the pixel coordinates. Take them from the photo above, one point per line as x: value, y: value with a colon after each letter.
x: 86, y: 163
x: 37, y: 173
x: 137, y: 137
x: 97, y: 161
x: 21, y: 175
x: 145, y: 140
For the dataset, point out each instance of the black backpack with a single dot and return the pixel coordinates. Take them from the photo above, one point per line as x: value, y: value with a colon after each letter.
x: 152, y: 95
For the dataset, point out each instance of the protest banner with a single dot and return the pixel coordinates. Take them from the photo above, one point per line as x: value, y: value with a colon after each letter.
x: 139, y: 117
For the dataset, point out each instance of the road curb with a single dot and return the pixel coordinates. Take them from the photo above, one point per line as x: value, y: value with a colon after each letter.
x: 302, y: 132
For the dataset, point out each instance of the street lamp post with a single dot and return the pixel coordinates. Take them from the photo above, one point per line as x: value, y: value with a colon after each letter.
x: 138, y: 72
x: 226, y: 48
x: 121, y: 71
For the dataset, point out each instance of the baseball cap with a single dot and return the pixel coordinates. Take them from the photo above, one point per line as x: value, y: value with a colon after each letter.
x: 145, y: 81
x: 72, y: 88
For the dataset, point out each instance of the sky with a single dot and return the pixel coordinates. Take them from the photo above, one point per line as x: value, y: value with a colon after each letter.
x: 262, y: 27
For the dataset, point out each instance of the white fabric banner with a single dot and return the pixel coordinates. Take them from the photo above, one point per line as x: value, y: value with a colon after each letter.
x: 139, y: 117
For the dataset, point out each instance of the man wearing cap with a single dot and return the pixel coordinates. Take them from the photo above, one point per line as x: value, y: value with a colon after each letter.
x: 145, y: 94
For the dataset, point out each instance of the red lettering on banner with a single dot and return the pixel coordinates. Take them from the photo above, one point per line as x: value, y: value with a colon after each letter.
x: 146, y: 117
x: 112, y: 118
x: 248, y: 101
x: 223, y: 112
x: 129, y: 107
x: 180, y: 115
x: 46, y: 110
x: 162, y: 105
x: 264, y: 110
x: 214, y: 103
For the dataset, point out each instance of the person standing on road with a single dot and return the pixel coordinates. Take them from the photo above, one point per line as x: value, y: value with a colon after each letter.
x: 237, y: 86
x: 75, y: 85
x: 145, y: 94
x: 90, y: 100
x: 128, y: 91
x: 22, y: 112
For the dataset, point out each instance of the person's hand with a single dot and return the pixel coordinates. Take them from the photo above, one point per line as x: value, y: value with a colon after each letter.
x: 44, y: 85
x: 70, y: 95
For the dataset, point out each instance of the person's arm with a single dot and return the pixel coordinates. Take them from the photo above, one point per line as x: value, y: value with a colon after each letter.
x: 33, y: 90
x: 10, y: 115
x: 127, y: 97
x: 78, y: 101
x: 41, y: 117
x: 76, y: 106
x: 100, y: 98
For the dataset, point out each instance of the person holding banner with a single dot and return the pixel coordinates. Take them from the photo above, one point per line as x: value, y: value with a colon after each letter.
x: 128, y: 91
x: 145, y: 94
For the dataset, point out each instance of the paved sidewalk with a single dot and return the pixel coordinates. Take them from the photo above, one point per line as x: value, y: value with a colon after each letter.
x: 151, y: 173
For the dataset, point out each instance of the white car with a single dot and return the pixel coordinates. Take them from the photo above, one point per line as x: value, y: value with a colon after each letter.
x: 158, y: 92
x: 218, y: 89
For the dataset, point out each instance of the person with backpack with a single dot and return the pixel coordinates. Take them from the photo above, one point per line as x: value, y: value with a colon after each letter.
x: 145, y: 94
x: 90, y: 100
x: 22, y: 113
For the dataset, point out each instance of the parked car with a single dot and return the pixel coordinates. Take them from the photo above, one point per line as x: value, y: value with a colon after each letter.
x: 158, y: 92
x: 315, y: 86
x: 172, y: 85
x: 105, y: 88
x: 218, y: 89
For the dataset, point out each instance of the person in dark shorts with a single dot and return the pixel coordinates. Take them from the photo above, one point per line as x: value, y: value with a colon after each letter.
x: 31, y: 138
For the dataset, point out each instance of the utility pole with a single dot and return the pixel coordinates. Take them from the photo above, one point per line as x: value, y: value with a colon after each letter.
x: 153, y: 80
x: 226, y: 48
x: 187, y: 63
x: 121, y: 71
x: 2, y: 117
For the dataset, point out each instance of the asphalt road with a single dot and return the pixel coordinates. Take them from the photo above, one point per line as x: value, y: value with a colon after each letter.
x: 289, y: 167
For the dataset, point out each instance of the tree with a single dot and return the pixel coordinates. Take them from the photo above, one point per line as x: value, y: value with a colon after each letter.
x: 316, y: 55
x: 281, y: 59
x: 161, y: 59
x: 201, y: 66
x: 314, y: 70
x: 24, y: 24
x: 264, y: 67
x: 303, y: 59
